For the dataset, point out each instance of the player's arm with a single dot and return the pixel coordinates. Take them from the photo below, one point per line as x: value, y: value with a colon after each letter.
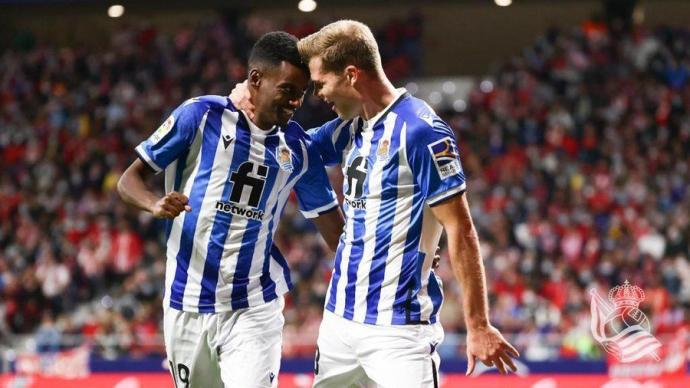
x: 330, y: 224
x: 331, y: 139
x: 317, y: 199
x: 241, y: 99
x: 132, y: 189
x: 434, y: 158
x: 483, y: 340
x: 163, y: 147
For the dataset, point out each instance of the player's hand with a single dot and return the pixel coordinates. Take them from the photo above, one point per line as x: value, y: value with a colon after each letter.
x: 488, y: 345
x: 437, y: 259
x: 171, y: 206
x: 240, y: 97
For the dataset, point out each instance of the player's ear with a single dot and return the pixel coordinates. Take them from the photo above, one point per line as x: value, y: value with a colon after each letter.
x: 351, y: 74
x: 254, y: 77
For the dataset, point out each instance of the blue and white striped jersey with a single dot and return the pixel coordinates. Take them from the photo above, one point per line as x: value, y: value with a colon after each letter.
x: 220, y: 256
x: 395, y: 167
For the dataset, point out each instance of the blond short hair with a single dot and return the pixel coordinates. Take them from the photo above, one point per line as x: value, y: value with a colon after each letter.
x: 342, y: 43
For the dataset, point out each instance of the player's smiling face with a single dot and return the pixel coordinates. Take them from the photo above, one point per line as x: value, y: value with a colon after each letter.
x: 335, y: 89
x: 279, y: 92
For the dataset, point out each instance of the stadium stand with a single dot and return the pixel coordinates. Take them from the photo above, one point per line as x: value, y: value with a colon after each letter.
x: 576, y: 152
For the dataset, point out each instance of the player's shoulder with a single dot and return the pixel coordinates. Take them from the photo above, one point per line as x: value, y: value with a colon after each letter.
x: 296, y: 137
x: 420, y: 119
x: 330, y: 127
x: 339, y: 123
x: 294, y: 132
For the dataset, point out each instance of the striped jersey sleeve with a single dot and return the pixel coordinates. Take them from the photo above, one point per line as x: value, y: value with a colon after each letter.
x: 331, y: 139
x: 314, y: 192
x: 173, y: 137
x: 433, y: 156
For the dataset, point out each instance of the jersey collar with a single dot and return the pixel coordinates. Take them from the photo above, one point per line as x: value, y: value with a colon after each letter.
x: 371, y: 123
x: 255, y: 130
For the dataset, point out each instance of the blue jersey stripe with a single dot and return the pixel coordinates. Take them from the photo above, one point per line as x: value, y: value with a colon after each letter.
x: 436, y: 295
x: 341, y: 142
x: 211, y: 135
x: 413, y: 307
x: 330, y: 306
x: 181, y: 164
x: 246, y: 253
x: 357, y: 250
x: 384, y: 225
x: 278, y: 257
x: 353, y: 261
x: 267, y: 284
x: 352, y: 258
x: 219, y: 232
x: 343, y: 139
x: 406, y: 306
x: 355, y: 258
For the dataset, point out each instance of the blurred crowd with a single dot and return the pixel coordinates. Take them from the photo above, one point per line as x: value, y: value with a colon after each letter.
x: 576, y: 151
x: 578, y: 156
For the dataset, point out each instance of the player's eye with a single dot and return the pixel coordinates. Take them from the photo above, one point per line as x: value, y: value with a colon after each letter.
x: 290, y: 91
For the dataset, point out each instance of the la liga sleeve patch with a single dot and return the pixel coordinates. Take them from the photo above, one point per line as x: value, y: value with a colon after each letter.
x: 163, y: 130
x: 446, y: 157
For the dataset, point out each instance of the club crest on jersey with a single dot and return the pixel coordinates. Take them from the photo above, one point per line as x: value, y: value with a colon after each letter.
x: 284, y: 156
x: 383, y: 152
x: 446, y: 157
x: 163, y: 130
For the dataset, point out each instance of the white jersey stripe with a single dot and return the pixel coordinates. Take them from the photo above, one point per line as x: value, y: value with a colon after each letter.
x: 204, y: 225
x: 399, y: 234
x: 371, y: 220
x: 431, y: 233
x: 256, y: 296
x: 188, y: 176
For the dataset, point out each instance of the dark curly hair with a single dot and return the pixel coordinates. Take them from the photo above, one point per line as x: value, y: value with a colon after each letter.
x: 273, y: 48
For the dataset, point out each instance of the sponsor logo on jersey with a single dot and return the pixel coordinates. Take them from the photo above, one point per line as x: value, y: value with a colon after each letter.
x: 231, y: 208
x: 227, y: 140
x: 250, y: 176
x: 356, y: 203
